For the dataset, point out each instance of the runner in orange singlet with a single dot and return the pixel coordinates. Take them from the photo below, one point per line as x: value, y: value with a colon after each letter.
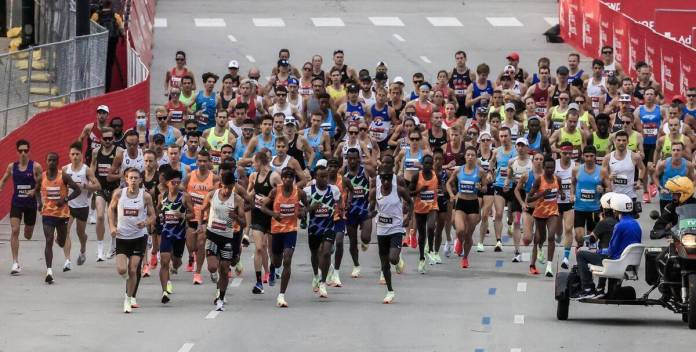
x: 546, y: 190
x: 198, y: 184
x: 424, y: 190
x: 54, y: 207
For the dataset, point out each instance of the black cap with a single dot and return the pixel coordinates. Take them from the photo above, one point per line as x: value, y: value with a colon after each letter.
x: 352, y: 88
x: 365, y: 77
x: 562, y: 70
x: 158, y: 138
x: 381, y: 76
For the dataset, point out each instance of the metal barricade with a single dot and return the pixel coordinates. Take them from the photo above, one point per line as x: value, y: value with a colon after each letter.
x: 51, y: 75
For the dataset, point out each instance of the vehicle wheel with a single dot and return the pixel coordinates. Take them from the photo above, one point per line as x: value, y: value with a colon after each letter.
x: 562, y: 309
x: 692, y: 301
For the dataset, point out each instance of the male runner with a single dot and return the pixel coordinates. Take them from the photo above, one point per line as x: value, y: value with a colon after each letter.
x: 517, y: 167
x: 587, y: 189
x: 103, y: 158
x: 673, y: 166
x: 360, y: 174
x: 619, y: 170
x: 215, y: 137
x: 499, y: 163
x: 564, y: 171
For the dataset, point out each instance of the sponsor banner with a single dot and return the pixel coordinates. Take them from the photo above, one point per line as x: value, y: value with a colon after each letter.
x: 636, y: 46
x: 687, y: 69
x: 671, y: 56
x: 675, y: 24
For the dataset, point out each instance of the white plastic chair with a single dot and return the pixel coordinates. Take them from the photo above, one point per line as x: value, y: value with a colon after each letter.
x: 624, y: 268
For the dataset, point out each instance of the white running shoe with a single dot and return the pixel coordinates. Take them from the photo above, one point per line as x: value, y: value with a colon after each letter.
x: 219, y: 305
x: 517, y: 258
x: 112, y: 253
x: 322, y: 290
x: 16, y: 269
x: 49, y: 276
x: 356, y: 272
x: 280, y: 301
x: 448, y: 249
x: 480, y: 248
x: 565, y: 264
x: 127, y: 305
x: 67, y: 266
x: 549, y: 270
x: 81, y: 259
x: 389, y: 298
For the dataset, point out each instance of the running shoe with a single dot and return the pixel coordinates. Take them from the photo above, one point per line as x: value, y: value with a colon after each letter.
x: 517, y: 258
x: 401, y: 265
x: 315, y: 284
x: 389, y: 298
x: 100, y: 258
x: 153, y: 261
x: 271, y: 280
x: 16, y: 269
x: 541, y: 258
x: 217, y: 297
x: 134, y: 303
x: 364, y: 246
x: 170, y: 287
x: 322, y: 290
x: 464, y: 263
x: 646, y: 197
x: 498, y: 246
x: 599, y: 293
x: 280, y: 301
x: 413, y: 240
x: 421, y: 266
x: 165, y: 297
x: 189, y: 267
x: 448, y: 249
x: 480, y: 248
x: 438, y: 259
x: 549, y: 270
x: 239, y: 268
x: 112, y: 253
x: 214, y: 277
x: 219, y: 305
x: 533, y: 270
x: 127, y: 306
x: 565, y: 263
x: 92, y: 218
x: 356, y: 272
x: 406, y: 241
x: 245, y: 240
x: 67, y: 266
x: 146, y: 270
x: 336, y: 281
x: 81, y: 259
x: 197, y: 280
x: 431, y: 258
x: 458, y: 247
x: 653, y: 190
x: 173, y: 270
x: 382, y: 281
x: 258, y: 289
x: 266, y: 276
x: 49, y: 276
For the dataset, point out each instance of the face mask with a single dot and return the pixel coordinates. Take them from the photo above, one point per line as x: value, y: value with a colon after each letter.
x: 141, y: 122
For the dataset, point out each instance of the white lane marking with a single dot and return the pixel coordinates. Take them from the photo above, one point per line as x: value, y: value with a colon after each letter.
x: 269, y: 22
x: 386, y: 21
x: 212, y: 315
x: 186, y: 347
x: 552, y: 21
x: 250, y: 58
x: 526, y: 257
x: 328, y: 22
x: 444, y: 21
x: 209, y: 22
x: 521, y: 287
x: 519, y: 319
x: 235, y: 282
x: 504, y: 22
x: 425, y: 59
x: 399, y: 38
x: 516, y: 349
x: 160, y: 22
x: 231, y: 38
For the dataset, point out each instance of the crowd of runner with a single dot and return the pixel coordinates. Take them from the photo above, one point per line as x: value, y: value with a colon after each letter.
x: 338, y: 151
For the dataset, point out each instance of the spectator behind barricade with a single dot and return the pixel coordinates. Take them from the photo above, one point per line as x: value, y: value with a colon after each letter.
x: 113, y: 22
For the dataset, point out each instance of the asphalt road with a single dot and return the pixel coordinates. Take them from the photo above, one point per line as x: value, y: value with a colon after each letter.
x: 492, y: 306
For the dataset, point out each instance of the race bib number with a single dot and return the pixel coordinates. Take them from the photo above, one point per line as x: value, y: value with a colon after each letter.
x: 565, y: 185
x: 410, y: 164
x: 131, y: 212
x: 322, y: 212
x: 358, y: 192
x: 258, y: 201
x: 171, y: 217
x: 287, y: 210
x: 466, y: 187
x: 53, y: 193
x: 203, y: 119
x: 427, y: 196
x: 587, y: 195
x: 620, y: 180
x: 23, y: 190
x: 650, y: 129
x: 551, y: 196
x: 384, y: 220
x: 219, y: 225
x: 177, y: 116
x: 196, y: 198
x: 103, y: 169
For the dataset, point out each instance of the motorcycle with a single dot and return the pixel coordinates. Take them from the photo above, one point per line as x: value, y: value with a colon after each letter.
x: 670, y: 269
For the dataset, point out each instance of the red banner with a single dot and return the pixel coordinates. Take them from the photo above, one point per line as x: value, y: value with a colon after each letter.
x: 636, y: 46
x: 606, y: 25
x: 675, y: 24
x: 643, y: 11
x: 671, y: 52
x: 621, y: 42
x: 687, y: 72
x: 590, y: 27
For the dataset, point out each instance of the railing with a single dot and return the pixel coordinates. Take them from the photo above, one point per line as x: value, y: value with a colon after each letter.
x: 51, y: 75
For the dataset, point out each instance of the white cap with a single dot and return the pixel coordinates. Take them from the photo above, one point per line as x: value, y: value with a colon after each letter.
x: 381, y: 63
x: 604, y: 201
x: 323, y: 163
x: 289, y: 120
x: 621, y: 203
x: 509, y: 68
x: 416, y: 120
x: 573, y: 106
x: 484, y: 133
x: 625, y: 97
x: 522, y: 140
x: 509, y: 106
x: 103, y: 108
x: 399, y: 79
x: 233, y: 64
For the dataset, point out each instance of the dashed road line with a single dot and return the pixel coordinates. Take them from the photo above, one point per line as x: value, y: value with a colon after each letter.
x: 232, y: 38
x: 399, y: 38
x: 519, y: 319
x: 491, y: 291
x: 212, y: 315
x: 160, y: 22
x: 486, y: 320
x: 498, y: 263
x: 504, y: 22
x: 250, y: 58
x: 425, y: 59
x: 328, y: 22
x: 521, y: 287
x: 209, y: 22
x: 235, y: 282
x: 386, y: 21
x: 186, y: 347
x: 479, y: 350
x: 516, y: 349
x: 552, y: 21
x: 526, y: 256
x: 444, y: 21
x: 269, y: 22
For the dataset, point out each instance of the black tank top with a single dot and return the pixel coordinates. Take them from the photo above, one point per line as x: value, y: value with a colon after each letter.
x: 344, y: 74
x: 224, y: 102
x: 264, y: 187
x: 459, y: 82
x: 436, y: 142
x: 557, y: 92
x: 296, y: 153
x: 104, y: 163
x: 639, y: 91
x: 321, y: 75
x: 398, y: 111
x: 152, y: 184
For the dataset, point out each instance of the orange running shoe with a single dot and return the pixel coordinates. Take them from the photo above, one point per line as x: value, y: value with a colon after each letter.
x: 533, y: 270
x: 146, y: 270
x: 153, y: 260
x: 266, y: 276
x: 465, y: 263
x: 197, y: 280
x: 458, y: 247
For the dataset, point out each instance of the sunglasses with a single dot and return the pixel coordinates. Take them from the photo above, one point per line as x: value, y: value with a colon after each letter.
x: 607, y: 52
x: 691, y: 95
x: 307, y: 68
x: 141, y: 117
x: 362, y: 129
x: 580, y: 102
x: 23, y: 151
x: 254, y: 77
x: 180, y: 59
x: 162, y: 118
x: 485, y: 140
x: 107, y: 139
x: 352, y: 133
x: 116, y: 126
x: 417, y: 82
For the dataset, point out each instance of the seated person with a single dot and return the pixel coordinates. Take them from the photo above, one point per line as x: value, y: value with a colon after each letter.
x: 682, y: 190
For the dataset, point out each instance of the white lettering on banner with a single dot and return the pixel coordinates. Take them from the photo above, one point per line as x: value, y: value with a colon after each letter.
x: 616, y: 6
